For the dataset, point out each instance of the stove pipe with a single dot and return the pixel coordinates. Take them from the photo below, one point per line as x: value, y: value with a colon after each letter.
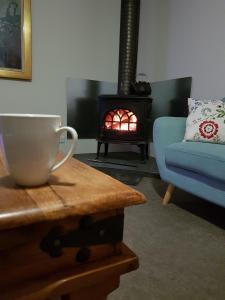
x: 129, y: 29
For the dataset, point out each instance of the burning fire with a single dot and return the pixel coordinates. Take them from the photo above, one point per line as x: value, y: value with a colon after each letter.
x: 121, y: 119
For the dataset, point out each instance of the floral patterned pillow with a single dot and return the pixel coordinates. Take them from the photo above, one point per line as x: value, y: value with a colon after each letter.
x: 206, y: 121
x: 193, y: 104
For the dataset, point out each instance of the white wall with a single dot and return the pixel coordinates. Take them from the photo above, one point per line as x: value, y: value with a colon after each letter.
x: 152, y: 50
x: 190, y: 41
x: 71, y: 38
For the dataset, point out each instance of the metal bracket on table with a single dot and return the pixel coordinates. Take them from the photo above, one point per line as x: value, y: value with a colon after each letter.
x: 89, y: 233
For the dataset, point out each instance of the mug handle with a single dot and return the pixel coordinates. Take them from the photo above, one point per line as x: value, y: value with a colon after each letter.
x: 74, y: 140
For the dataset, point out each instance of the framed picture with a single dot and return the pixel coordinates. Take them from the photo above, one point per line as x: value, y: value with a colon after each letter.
x: 15, y: 39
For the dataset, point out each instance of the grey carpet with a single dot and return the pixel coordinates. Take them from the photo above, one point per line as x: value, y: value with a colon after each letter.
x: 181, y: 248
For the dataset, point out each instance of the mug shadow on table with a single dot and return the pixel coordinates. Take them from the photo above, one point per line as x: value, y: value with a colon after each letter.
x: 54, y: 180
x: 7, y: 182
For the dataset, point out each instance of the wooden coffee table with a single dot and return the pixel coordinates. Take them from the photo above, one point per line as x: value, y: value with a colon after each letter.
x: 64, y: 239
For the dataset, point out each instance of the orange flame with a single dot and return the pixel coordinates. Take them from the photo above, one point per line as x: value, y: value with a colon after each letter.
x: 121, y: 120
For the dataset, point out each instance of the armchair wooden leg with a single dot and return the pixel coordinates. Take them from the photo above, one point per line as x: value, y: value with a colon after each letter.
x: 168, y: 194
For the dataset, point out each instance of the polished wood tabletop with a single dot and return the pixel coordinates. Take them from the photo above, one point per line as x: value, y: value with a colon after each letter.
x: 73, y: 190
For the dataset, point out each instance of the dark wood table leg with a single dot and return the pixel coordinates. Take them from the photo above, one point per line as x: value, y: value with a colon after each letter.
x: 96, y: 292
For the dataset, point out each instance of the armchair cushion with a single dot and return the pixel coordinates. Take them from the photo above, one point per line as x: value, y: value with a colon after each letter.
x: 201, y: 158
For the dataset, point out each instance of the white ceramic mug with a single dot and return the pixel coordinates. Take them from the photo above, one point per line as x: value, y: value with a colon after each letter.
x: 30, y: 144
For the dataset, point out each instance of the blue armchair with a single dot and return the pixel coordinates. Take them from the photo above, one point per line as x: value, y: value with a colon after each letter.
x: 195, y: 167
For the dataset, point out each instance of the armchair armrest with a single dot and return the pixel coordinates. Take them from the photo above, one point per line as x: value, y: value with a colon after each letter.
x: 166, y: 131
x: 169, y: 130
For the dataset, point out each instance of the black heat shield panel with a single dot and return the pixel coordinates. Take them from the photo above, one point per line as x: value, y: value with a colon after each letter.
x: 82, y: 97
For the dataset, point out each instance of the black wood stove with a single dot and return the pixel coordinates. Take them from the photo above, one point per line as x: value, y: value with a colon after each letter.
x: 125, y: 117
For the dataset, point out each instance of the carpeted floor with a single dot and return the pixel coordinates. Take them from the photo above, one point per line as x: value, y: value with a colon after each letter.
x: 181, y: 248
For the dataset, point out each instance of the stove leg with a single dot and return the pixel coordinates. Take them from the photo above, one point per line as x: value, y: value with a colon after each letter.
x: 142, y: 149
x: 98, y: 149
x: 106, y: 149
x: 147, y: 150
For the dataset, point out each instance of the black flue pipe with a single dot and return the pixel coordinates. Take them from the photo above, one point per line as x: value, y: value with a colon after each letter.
x: 128, y: 47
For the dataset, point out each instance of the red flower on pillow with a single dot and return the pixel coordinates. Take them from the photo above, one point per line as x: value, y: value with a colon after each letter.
x: 208, y: 129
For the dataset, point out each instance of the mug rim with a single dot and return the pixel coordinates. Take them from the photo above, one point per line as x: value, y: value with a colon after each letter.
x: 29, y: 115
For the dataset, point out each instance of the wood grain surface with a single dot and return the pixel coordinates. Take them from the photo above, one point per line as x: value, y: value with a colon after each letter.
x: 74, y: 190
x: 105, y: 272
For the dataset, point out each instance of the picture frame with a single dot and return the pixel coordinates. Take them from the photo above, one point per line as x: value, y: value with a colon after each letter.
x: 15, y: 39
